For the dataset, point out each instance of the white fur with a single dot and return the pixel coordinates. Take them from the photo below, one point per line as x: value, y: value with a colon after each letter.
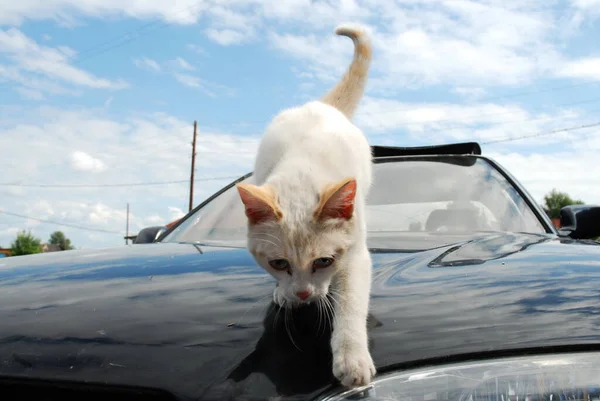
x: 315, y: 142
x: 303, y: 150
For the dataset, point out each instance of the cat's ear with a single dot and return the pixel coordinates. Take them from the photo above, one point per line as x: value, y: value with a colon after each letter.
x: 259, y: 202
x: 337, y: 201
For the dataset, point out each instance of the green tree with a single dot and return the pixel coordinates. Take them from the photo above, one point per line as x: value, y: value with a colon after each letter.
x: 26, y: 244
x: 59, y: 238
x: 555, y: 200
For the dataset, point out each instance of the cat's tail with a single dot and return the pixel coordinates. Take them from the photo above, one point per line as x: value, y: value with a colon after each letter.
x: 346, y: 95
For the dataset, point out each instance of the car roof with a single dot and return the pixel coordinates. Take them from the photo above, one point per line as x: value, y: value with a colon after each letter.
x: 461, y: 148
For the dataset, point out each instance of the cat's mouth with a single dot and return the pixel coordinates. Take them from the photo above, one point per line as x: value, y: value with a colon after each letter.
x: 285, y: 300
x: 298, y: 303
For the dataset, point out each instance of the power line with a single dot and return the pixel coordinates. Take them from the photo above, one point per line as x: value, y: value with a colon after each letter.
x: 91, y: 185
x: 152, y: 145
x: 571, y: 139
x: 518, y: 94
x: 128, y: 37
x: 59, y: 223
x: 157, y: 23
x: 557, y: 131
x: 486, y: 125
x: 133, y: 184
x: 476, y: 116
x: 386, y: 128
x: 421, y: 122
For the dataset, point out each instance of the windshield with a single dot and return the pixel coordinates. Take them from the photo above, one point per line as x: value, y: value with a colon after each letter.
x: 415, y: 203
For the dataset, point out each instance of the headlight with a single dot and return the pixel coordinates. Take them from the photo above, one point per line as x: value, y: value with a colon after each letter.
x: 556, y: 377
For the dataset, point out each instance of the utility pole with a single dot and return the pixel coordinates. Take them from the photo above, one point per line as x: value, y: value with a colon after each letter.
x: 193, y: 168
x: 127, y: 226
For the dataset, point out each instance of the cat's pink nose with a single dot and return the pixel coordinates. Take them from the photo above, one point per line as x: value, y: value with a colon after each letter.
x: 303, y: 294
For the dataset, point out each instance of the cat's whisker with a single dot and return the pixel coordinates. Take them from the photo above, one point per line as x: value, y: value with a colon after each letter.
x: 252, y: 306
x: 321, y: 327
x: 328, y: 314
x: 287, y: 328
x: 270, y: 235
x: 334, y: 295
x: 277, y: 317
x: 318, y: 304
x: 330, y: 311
x: 263, y: 234
x: 265, y: 240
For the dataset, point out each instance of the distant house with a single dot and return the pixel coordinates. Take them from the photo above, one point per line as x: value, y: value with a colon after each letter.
x: 51, y: 248
x: 555, y: 221
x: 5, y: 252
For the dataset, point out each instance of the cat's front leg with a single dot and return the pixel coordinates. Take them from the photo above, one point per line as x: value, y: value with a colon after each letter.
x: 352, y: 362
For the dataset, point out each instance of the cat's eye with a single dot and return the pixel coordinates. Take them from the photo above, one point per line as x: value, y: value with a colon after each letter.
x: 279, y: 264
x: 322, y: 263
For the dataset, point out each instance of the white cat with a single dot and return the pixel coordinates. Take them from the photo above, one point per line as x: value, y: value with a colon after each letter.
x: 306, y: 215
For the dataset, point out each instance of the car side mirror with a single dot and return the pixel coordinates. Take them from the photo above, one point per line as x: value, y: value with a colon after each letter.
x: 149, y: 234
x: 580, y: 221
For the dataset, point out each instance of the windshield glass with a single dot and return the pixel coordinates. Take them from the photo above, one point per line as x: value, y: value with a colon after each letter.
x: 415, y: 203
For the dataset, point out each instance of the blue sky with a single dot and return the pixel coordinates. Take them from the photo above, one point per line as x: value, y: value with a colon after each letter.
x: 105, y: 92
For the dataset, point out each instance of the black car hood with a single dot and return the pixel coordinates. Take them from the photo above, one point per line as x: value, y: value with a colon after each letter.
x: 198, y: 321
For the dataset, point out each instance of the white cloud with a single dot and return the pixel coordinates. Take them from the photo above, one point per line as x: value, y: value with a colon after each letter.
x: 586, y: 4
x: 8, y: 235
x: 175, y: 67
x: 428, y: 123
x: 192, y: 82
x: 31, y: 93
x: 133, y: 150
x: 461, y: 43
x: 179, y: 62
x: 36, y: 67
x: 197, y: 49
x: 42, y: 207
x: 103, y: 214
x: 566, y: 171
x: 30, y: 84
x: 469, y: 92
x: 226, y: 37
x: 68, y: 11
x: 108, y: 102
x: 457, y: 42
x: 175, y: 213
x: 85, y: 162
x: 155, y: 220
x: 584, y: 9
x: 390, y: 114
x: 586, y: 68
x: 208, y: 88
x: 146, y: 63
x: 222, y: 13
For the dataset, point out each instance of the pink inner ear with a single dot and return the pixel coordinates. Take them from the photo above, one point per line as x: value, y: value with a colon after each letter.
x: 340, y: 204
x: 257, y: 209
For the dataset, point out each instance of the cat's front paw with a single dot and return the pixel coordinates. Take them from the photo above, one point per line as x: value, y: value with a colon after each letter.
x: 353, y: 366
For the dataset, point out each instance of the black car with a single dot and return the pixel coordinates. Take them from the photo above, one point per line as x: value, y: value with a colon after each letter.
x: 475, y: 296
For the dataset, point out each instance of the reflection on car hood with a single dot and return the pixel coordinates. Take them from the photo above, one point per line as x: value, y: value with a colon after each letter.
x: 196, y: 320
